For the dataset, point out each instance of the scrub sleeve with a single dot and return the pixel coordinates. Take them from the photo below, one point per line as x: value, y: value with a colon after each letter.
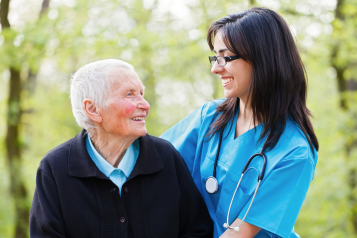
x: 184, y: 136
x: 281, y: 195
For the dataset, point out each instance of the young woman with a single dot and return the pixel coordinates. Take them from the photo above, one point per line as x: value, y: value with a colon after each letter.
x: 264, y: 112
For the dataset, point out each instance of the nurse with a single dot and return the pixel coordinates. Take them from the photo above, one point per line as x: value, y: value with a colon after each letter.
x: 265, y: 89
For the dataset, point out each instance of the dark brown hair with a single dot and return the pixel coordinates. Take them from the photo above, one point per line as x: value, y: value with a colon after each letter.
x: 278, y: 87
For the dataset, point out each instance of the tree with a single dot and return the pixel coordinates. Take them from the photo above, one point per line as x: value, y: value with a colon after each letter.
x: 169, y: 50
x: 13, y: 143
x: 343, y: 59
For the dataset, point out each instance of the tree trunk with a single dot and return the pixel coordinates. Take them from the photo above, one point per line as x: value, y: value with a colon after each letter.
x: 31, y: 80
x: 45, y: 6
x: 13, y: 148
x: 13, y: 144
x: 4, y: 12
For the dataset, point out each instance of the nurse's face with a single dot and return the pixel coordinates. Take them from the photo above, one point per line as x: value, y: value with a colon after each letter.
x: 236, y: 75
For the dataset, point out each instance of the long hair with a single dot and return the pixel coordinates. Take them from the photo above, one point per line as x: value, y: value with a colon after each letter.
x: 277, y: 90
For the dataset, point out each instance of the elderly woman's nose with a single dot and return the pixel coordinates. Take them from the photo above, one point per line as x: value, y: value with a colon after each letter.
x: 217, y: 69
x: 143, y: 104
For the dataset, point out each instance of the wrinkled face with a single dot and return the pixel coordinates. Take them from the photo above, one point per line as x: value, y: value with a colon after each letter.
x: 236, y: 75
x: 126, y: 107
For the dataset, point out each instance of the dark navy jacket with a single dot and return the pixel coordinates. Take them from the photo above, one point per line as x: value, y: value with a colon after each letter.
x: 159, y: 199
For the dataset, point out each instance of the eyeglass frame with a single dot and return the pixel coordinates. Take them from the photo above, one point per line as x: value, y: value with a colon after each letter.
x: 226, y: 58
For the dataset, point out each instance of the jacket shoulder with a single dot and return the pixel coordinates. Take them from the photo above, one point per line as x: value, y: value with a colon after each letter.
x: 166, y: 150
x: 56, y: 158
x: 170, y: 157
x: 162, y: 145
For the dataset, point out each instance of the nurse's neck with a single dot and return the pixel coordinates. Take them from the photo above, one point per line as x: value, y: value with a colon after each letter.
x: 245, y: 120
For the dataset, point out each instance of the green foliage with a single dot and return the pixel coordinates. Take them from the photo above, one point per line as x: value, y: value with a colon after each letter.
x: 6, y: 206
x: 170, y: 54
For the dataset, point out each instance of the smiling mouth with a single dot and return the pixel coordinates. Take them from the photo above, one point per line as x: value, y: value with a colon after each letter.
x: 226, y: 81
x: 138, y: 119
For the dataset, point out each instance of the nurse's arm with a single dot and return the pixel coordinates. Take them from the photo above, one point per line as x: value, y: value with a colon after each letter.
x: 246, y: 230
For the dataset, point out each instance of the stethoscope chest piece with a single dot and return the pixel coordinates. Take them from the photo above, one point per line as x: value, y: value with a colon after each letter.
x: 211, y: 185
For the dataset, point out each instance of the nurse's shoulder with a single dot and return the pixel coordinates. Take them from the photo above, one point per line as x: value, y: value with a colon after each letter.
x: 193, y: 124
x: 295, y: 142
x: 209, y: 109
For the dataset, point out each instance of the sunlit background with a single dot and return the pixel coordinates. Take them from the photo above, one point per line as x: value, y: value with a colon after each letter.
x: 46, y: 41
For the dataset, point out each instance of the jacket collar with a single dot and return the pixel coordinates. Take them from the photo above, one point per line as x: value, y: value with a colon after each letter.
x: 149, y: 160
x: 81, y: 165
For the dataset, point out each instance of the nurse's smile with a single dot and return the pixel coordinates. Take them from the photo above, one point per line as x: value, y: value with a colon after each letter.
x: 236, y: 75
x: 226, y: 81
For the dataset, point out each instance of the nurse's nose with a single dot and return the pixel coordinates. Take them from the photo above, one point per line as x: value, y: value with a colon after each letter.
x: 217, y: 69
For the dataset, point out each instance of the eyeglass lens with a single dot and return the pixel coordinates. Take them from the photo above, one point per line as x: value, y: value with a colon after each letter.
x: 220, y: 60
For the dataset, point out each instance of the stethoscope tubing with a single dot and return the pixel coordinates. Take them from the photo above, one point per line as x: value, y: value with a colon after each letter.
x: 262, y: 172
x: 260, y: 178
x: 236, y: 228
x: 218, y: 151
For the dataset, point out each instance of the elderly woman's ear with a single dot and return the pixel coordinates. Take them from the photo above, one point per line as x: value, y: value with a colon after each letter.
x: 91, y: 110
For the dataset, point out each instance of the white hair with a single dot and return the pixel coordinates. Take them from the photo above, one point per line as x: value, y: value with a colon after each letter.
x: 92, y: 81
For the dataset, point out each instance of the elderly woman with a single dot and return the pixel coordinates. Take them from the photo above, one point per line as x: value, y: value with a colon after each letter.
x: 113, y: 179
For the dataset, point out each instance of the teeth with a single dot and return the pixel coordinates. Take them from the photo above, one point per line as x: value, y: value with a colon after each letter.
x: 139, y: 118
x: 226, y: 80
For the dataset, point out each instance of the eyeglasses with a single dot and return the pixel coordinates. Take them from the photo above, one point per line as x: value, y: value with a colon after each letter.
x: 222, y: 60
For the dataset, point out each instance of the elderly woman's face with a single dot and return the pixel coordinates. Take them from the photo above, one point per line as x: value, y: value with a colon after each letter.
x: 126, y: 107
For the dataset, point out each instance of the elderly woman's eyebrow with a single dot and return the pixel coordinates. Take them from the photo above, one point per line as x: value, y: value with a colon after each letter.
x: 131, y: 88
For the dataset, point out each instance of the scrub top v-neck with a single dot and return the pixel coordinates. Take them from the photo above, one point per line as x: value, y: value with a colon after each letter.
x: 290, y: 169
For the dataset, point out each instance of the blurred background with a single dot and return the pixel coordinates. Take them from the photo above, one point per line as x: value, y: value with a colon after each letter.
x: 43, y: 42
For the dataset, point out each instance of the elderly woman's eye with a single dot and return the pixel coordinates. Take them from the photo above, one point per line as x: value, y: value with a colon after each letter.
x: 142, y: 93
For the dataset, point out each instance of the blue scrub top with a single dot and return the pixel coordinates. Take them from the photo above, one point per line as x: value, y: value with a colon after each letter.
x: 289, y: 171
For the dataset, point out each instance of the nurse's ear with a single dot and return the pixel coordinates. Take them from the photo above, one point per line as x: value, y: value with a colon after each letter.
x: 92, y: 110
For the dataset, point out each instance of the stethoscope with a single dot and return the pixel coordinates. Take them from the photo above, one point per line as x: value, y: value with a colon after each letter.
x: 212, y: 184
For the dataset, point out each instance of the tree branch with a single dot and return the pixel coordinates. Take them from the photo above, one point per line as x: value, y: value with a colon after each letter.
x: 4, y: 12
x: 45, y: 6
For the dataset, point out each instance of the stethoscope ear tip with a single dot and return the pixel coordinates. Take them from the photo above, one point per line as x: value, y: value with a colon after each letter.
x: 225, y: 225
